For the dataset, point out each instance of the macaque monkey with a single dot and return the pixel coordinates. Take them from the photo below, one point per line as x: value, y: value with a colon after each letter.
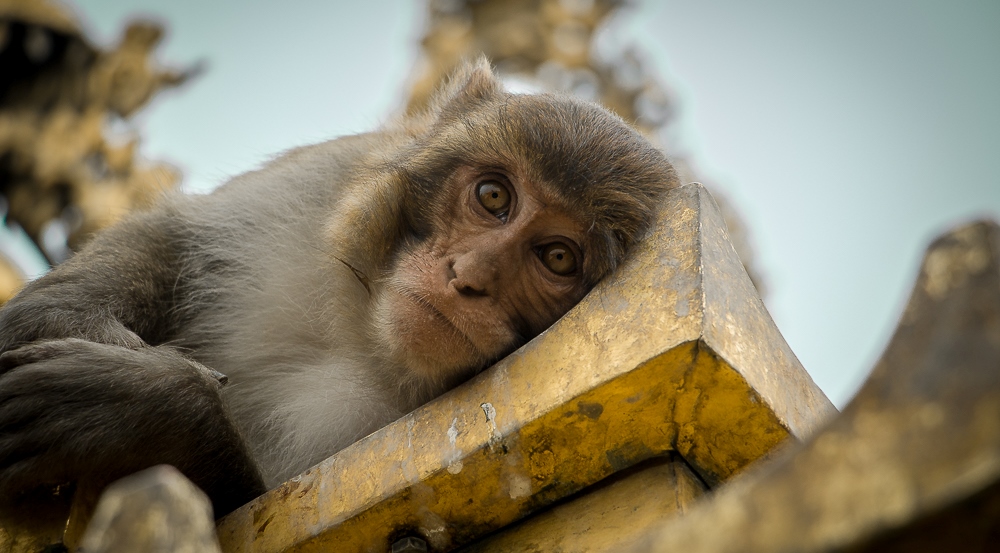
x: 245, y: 335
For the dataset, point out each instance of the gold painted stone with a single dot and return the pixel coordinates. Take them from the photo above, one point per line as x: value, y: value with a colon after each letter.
x: 913, y: 462
x: 673, y: 353
x: 610, y: 514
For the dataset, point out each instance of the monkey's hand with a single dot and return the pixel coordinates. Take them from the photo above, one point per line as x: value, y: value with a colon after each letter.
x: 73, y: 410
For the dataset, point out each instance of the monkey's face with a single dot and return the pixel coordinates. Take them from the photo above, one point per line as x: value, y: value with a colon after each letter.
x: 503, y: 260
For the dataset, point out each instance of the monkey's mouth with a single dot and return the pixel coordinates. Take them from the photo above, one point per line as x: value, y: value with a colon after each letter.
x: 443, y: 319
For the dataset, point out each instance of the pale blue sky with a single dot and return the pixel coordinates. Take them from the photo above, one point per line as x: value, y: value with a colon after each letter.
x: 847, y: 133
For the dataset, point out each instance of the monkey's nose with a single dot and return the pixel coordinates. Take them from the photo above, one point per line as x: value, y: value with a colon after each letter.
x: 469, y: 290
x: 463, y: 276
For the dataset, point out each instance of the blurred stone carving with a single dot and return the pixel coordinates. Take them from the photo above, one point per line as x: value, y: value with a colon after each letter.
x: 550, y: 45
x: 63, y: 172
x: 157, y: 509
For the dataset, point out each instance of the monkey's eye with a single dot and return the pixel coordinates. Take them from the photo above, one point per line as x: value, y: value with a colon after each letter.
x: 559, y: 258
x: 493, y: 196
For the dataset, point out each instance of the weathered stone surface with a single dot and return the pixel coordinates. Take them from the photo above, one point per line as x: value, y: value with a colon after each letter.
x: 610, y: 514
x: 674, y: 353
x: 156, y: 510
x: 913, y: 463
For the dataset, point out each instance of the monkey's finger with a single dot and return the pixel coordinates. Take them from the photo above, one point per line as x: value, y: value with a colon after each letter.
x: 214, y: 374
x: 45, y: 349
x: 35, y: 352
x: 219, y: 377
x: 120, y: 336
x: 19, y: 409
x: 31, y: 353
x: 14, y: 452
x: 223, y: 379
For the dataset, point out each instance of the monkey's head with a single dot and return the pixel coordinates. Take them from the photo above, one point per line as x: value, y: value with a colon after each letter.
x: 509, y: 208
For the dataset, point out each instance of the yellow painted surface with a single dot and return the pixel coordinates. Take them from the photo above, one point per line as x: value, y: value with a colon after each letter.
x: 452, y: 493
x: 608, y: 517
x: 642, y: 367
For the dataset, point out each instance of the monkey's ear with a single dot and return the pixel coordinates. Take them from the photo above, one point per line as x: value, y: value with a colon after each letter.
x: 471, y: 83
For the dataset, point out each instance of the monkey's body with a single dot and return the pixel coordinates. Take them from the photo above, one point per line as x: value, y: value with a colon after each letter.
x: 303, y: 337
x: 302, y: 351
x: 262, y: 310
x: 336, y: 289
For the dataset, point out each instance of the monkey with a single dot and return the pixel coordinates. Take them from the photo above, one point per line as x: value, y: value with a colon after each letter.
x: 245, y: 335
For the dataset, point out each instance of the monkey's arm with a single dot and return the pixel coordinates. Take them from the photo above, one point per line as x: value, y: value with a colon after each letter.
x: 79, y: 411
x: 85, y: 397
x: 119, y: 290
